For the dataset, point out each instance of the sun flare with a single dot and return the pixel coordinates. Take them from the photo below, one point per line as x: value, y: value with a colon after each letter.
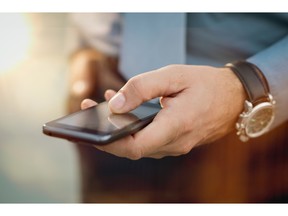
x: 14, y: 39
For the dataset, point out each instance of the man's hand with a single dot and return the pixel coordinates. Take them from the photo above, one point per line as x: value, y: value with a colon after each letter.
x: 200, y: 104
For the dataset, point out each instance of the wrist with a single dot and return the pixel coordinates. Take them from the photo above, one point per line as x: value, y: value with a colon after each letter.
x: 237, y: 96
x: 258, y: 114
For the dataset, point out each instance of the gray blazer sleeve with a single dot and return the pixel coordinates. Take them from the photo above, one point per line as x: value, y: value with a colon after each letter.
x: 273, y: 61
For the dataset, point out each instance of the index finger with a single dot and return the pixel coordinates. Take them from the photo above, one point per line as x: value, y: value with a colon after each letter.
x: 147, y: 141
x: 144, y: 87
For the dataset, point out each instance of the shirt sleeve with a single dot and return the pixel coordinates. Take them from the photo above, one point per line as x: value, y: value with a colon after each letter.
x: 273, y: 62
x: 101, y: 31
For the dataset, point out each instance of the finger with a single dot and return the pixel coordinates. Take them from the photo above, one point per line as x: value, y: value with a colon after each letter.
x: 161, y: 155
x: 147, y: 141
x: 180, y: 146
x: 146, y: 86
x: 163, y: 130
x: 109, y: 94
x: 121, y: 148
x: 86, y: 103
x: 168, y: 132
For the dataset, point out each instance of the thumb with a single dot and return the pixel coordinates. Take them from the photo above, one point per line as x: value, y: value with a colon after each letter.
x: 144, y: 87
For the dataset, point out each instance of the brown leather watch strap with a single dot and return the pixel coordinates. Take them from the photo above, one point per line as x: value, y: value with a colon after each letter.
x: 253, y: 80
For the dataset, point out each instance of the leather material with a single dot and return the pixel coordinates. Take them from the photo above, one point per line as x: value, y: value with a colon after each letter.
x: 253, y: 80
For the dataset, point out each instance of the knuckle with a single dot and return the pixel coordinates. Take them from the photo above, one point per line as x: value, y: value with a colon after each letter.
x: 134, y: 80
x: 185, y: 149
x: 135, y: 84
x: 177, y: 127
x: 178, y: 78
x: 135, y: 154
x: 169, y: 67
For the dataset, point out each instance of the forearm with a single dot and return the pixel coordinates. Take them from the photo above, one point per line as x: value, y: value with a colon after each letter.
x: 273, y: 62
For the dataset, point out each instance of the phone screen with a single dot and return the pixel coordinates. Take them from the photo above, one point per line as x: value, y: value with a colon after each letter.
x: 98, y: 124
x: 101, y: 119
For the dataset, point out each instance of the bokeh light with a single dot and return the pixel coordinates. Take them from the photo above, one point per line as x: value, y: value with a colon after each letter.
x: 15, y: 39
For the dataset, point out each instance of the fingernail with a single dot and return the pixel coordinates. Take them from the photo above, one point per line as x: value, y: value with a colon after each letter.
x: 117, y: 102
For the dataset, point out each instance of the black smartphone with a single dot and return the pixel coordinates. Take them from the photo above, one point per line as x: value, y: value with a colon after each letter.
x: 97, y: 125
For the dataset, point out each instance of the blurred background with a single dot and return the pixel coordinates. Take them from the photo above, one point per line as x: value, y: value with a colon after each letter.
x: 33, y: 86
x: 35, y: 168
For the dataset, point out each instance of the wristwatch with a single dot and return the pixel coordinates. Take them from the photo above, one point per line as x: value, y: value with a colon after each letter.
x: 258, y: 114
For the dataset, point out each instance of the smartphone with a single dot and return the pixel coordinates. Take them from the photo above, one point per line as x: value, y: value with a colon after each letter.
x: 97, y: 125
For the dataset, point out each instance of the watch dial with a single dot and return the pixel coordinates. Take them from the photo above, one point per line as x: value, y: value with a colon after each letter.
x: 259, y: 121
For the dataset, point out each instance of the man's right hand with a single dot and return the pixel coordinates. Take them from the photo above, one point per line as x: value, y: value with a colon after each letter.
x: 200, y: 104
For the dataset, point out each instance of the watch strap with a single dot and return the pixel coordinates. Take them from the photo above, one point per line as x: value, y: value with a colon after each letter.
x: 253, y: 80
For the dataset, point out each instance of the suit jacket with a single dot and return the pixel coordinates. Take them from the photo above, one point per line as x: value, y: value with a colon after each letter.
x: 151, y: 41
x: 227, y: 172
x: 147, y: 41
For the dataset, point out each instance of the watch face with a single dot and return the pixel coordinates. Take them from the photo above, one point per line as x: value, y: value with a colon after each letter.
x: 260, y: 119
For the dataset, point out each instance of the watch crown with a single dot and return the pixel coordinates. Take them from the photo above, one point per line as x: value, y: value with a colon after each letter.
x: 244, y: 138
x: 248, y: 106
x: 238, y: 126
x: 242, y: 115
